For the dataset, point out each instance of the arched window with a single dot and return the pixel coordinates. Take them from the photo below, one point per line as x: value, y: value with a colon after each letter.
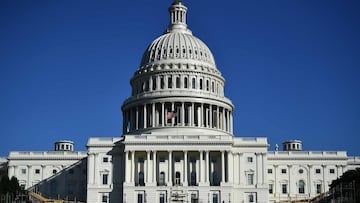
x: 301, y: 187
x: 177, y: 178
x: 177, y: 82
x: 193, y: 178
x: 207, y: 85
x: 162, y: 178
x: 201, y: 84
x: 214, y: 178
x: 153, y: 83
x: 162, y: 83
x: 193, y: 83
x: 141, y: 179
x: 185, y: 82
x: 147, y: 85
x: 170, y: 82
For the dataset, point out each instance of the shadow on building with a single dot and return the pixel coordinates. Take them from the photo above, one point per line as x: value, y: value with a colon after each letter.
x: 345, y: 189
x: 68, y: 184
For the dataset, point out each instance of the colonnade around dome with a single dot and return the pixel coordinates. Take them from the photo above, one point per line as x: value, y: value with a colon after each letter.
x: 180, y: 114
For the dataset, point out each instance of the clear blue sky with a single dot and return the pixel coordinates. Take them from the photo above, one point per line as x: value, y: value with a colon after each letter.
x: 292, y: 67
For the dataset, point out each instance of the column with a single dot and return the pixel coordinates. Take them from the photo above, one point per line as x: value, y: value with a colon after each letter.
x: 258, y: 168
x: 228, y: 121
x: 182, y: 113
x: 276, y: 180
x: 163, y: 115
x: 148, y: 172
x: 241, y: 169
x: 230, y: 167
x: 222, y: 167
x: 172, y: 109
x: 218, y: 117
x: 207, y: 167
x: 132, y: 178
x: 145, y: 116
x: 211, y: 116
x: 154, y: 167
x: 153, y: 115
x: 201, y: 166
x: 29, y: 179
x: 137, y: 118
x: 236, y: 169
x: 185, y: 169
x: 231, y: 122
x: 151, y: 84
x: 96, y: 170
x: 290, y: 182
x: 223, y: 119
x: 170, y: 169
x: 264, y: 172
x: 201, y: 116
x: 192, y: 115
x: 189, y: 116
x: 324, y: 179
x: 90, y: 166
x: 310, y: 184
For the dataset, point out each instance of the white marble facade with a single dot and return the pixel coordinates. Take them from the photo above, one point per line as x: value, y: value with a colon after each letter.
x: 178, y: 142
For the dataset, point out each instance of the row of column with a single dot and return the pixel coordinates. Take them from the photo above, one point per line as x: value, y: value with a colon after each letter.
x: 177, y: 114
x: 164, y: 82
x: 231, y: 169
x: 205, y: 167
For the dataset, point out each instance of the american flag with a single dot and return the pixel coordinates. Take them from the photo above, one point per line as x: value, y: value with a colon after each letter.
x: 171, y: 114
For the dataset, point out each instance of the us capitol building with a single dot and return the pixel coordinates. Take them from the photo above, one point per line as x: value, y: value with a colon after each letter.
x: 178, y: 143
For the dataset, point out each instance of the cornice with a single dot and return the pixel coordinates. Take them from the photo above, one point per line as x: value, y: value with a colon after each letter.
x: 293, y: 158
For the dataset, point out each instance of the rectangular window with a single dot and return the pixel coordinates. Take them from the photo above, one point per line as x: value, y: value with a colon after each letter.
x: 283, y: 171
x: 37, y: 171
x: 140, y: 198
x: 271, y: 186
x: 105, y: 179
x: 215, y: 198
x: 194, y: 198
x: 332, y: 170
x: 162, y: 198
x: 23, y: 171
x: 284, y: 188
x: 317, y: 171
x: 269, y: 171
x: 318, y: 188
x: 251, y: 197
x: 250, y: 159
x: 250, y: 179
x: 105, y: 159
x: 104, y: 198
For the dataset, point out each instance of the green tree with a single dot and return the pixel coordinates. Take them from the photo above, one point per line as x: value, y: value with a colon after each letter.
x: 4, y: 184
x: 14, y: 187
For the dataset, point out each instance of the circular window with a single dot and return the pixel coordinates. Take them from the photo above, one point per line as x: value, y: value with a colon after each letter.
x: 301, y: 171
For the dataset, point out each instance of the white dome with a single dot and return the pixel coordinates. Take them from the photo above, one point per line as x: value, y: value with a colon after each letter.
x: 175, y: 46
